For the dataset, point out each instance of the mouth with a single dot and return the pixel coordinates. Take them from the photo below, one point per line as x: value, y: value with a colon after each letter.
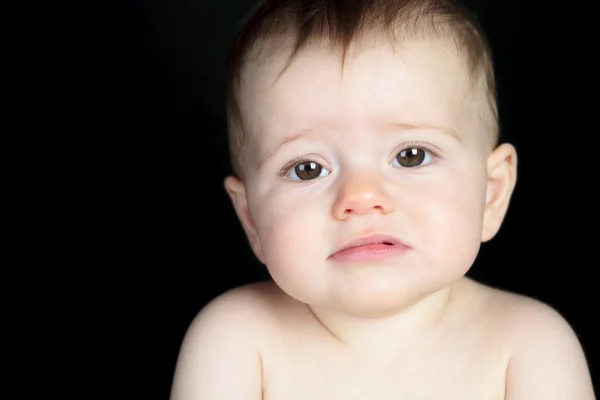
x: 370, y: 245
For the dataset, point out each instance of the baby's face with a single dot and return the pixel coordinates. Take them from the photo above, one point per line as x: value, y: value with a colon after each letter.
x: 392, y: 146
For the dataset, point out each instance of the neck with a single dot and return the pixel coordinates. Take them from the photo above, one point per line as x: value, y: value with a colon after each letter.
x: 380, y: 337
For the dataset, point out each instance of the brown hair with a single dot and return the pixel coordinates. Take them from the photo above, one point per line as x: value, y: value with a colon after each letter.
x: 341, y: 23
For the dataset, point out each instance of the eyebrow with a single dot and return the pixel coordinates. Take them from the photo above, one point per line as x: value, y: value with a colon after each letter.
x: 308, y: 132
x: 453, y: 133
x: 296, y: 136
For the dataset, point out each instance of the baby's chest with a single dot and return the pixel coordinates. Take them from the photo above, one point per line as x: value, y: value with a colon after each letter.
x: 448, y: 377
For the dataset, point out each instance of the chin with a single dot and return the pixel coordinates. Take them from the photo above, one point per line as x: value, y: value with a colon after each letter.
x: 386, y: 297
x: 378, y: 302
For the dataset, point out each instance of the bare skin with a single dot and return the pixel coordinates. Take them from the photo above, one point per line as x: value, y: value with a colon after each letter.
x: 461, y: 364
x: 289, y: 354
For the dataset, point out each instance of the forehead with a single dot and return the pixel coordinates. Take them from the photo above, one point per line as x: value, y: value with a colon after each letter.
x: 417, y: 82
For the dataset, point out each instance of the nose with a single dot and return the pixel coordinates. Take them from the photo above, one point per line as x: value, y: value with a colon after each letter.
x: 360, y: 195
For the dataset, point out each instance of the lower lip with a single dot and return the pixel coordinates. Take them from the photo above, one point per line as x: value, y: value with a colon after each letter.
x: 371, y: 252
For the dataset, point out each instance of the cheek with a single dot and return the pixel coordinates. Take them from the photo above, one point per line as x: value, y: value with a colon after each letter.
x: 291, y: 233
x: 449, y: 222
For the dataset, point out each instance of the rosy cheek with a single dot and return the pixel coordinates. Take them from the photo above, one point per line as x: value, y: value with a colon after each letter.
x: 458, y: 215
x: 291, y: 226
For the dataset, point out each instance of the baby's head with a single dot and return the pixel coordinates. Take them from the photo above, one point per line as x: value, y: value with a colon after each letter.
x: 277, y: 32
x: 365, y: 119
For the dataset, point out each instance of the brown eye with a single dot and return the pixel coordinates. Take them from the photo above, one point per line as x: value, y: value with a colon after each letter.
x: 412, y: 157
x: 307, y: 170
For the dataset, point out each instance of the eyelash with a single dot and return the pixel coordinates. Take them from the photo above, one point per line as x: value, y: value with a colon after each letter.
x: 288, y: 167
x: 411, y: 145
x: 419, y: 145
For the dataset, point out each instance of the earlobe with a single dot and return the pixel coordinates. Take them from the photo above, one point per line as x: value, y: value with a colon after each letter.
x: 236, y: 190
x: 501, y: 180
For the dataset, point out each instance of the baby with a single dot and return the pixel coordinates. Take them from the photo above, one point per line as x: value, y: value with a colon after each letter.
x: 368, y: 171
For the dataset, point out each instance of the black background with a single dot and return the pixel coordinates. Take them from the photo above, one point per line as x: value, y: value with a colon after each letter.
x: 171, y: 84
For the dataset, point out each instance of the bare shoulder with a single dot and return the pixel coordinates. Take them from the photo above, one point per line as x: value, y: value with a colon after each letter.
x: 238, y: 304
x: 233, y: 313
x: 547, y: 360
x: 222, y: 343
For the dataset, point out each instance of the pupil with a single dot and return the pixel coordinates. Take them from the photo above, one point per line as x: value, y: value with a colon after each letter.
x: 308, y: 170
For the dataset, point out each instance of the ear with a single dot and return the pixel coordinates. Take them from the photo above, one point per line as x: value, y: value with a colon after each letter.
x: 237, y: 193
x: 501, y: 180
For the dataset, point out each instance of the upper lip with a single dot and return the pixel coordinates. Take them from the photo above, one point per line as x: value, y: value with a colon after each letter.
x: 371, y: 239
